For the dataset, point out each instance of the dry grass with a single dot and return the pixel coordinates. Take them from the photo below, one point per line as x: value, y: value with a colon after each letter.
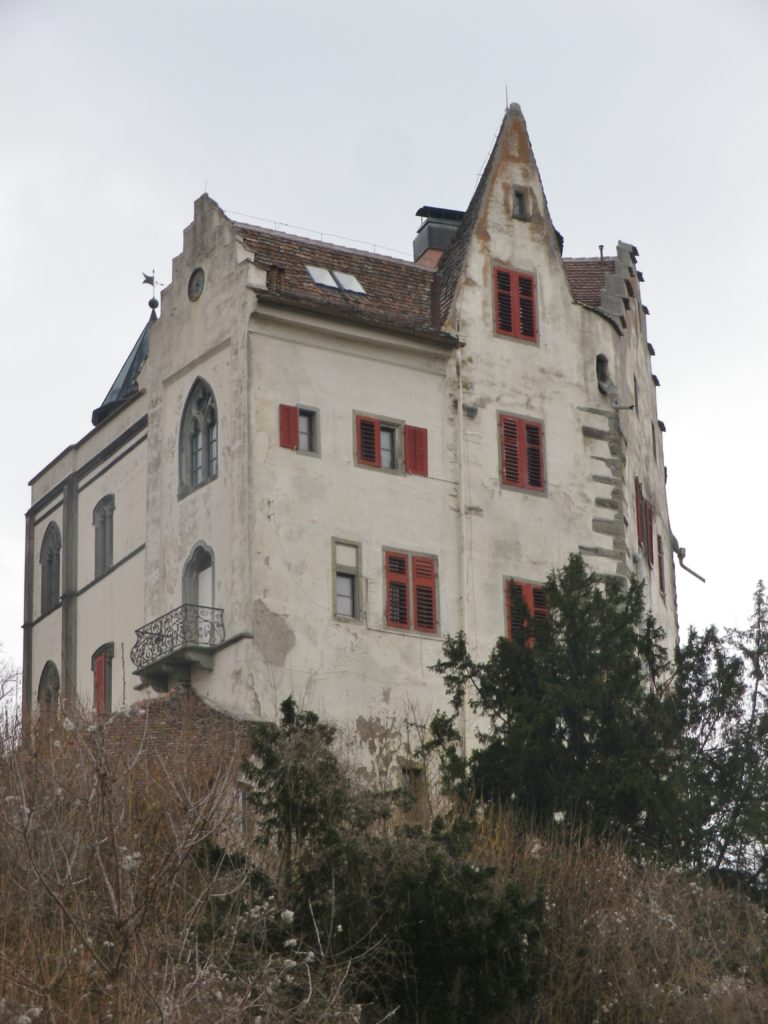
x: 629, y: 944
x: 116, y: 903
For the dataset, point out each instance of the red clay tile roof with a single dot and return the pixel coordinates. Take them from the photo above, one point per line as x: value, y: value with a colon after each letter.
x: 398, y: 294
x: 587, y: 278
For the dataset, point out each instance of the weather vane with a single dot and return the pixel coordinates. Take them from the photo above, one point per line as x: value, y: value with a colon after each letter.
x: 153, y: 302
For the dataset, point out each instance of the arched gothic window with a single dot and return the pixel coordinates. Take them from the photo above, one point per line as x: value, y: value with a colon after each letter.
x: 48, y: 691
x: 102, y: 522
x: 199, y: 439
x: 101, y: 663
x: 50, y: 566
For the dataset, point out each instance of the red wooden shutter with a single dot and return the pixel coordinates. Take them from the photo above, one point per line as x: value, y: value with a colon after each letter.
x: 397, y: 589
x: 510, y: 451
x: 416, y: 451
x: 289, y: 426
x: 526, y: 306
x: 533, y: 456
x: 662, y: 577
x: 424, y: 594
x: 368, y: 441
x: 538, y: 606
x: 100, y: 684
x: 649, y: 531
x: 514, y: 612
x: 504, y: 319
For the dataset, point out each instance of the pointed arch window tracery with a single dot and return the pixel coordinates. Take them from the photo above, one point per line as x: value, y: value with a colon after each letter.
x: 198, y: 439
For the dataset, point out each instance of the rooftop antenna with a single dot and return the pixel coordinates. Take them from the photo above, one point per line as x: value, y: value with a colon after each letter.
x: 506, y: 97
x: 153, y: 303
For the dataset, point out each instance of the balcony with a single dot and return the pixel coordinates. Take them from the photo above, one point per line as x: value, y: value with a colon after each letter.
x: 169, y: 645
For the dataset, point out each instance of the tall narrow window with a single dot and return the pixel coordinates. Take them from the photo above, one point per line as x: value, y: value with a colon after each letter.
x: 197, y: 591
x: 50, y: 569
x: 346, y: 572
x: 103, y: 516
x: 515, y: 301
x: 48, y: 692
x: 101, y: 664
x: 522, y: 452
x: 199, y: 439
x: 662, y: 567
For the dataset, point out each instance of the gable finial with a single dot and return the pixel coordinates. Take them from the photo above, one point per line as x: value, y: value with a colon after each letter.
x: 153, y: 302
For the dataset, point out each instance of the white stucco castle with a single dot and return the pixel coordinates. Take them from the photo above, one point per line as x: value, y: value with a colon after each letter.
x: 318, y: 461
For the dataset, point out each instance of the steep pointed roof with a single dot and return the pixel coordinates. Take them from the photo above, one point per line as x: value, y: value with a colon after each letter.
x: 125, y: 385
x: 452, y: 263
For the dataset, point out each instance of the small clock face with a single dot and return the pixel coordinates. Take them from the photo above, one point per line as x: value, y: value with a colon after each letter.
x: 196, y: 282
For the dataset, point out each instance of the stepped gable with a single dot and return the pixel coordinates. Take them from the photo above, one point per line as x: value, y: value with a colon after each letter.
x: 586, y: 278
x: 398, y: 294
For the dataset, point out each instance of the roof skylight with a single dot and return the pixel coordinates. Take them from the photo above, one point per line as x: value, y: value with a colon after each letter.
x: 322, y: 276
x: 348, y: 282
x: 335, y: 279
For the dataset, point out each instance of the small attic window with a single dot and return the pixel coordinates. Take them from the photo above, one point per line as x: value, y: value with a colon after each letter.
x: 519, y: 204
x: 335, y: 279
x: 348, y: 282
x: 322, y: 276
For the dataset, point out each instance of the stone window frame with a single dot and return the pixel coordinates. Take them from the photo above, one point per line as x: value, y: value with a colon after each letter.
x: 103, y: 535
x: 505, y: 416
x: 48, y: 690
x: 200, y: 418
x: 201, y: 552
x: 50, y: 569
x: 346, y: 569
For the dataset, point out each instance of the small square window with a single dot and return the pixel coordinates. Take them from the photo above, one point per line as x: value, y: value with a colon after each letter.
x: 299, y: 429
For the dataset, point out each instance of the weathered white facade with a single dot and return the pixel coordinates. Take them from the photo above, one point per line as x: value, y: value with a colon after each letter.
x: 304, y: 479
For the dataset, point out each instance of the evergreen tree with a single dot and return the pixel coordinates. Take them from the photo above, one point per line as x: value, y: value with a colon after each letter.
x: 574, y: 713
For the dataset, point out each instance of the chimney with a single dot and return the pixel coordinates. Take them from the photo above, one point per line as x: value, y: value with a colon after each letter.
x: 436, y: 232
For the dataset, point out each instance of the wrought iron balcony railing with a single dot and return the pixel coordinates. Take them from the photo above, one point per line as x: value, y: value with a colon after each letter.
x: 189, y: 626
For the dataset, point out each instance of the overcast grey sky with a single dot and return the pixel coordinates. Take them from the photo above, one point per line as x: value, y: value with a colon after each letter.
x: 648, y: 122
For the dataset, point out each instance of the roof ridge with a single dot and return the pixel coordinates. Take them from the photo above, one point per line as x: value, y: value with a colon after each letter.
x: 274, y: 232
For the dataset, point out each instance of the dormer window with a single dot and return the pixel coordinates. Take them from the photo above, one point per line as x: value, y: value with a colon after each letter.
x: 338, y: 279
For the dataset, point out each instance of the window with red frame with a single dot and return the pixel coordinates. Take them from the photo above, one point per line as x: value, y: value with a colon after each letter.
x: 515, y: 304
x: 522, y: 452
x: 384, y: 445
x: 101, y: 664
x: 411, y: 591
x: 533, y: 598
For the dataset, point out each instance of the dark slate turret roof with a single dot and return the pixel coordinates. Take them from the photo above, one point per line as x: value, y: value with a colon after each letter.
x: 399, y: 295
x: 125, y: 385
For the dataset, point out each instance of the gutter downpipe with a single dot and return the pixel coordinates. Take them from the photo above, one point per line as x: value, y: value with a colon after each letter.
x: 464, y: 567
